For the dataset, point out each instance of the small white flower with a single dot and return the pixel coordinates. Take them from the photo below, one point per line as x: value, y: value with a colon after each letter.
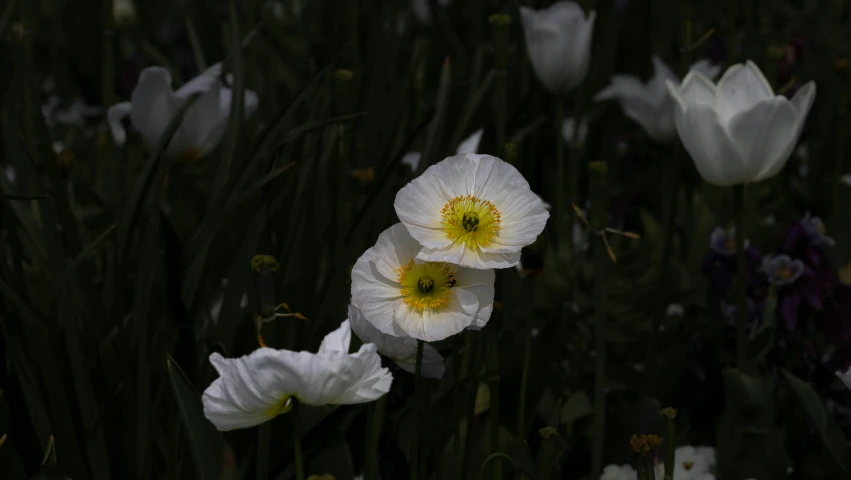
x: 403, y: 296
x: 412, y: 159
x: 738, y: 131
x: 846, y: 179
x: 845, y: 377
x: 422, y: 10
x: 123, y: 12
x: 675, y: 310
x: 402, y: 350
x: 619, y: 472
x: 472, y: 210
x: 649, y: 104
x: 558, y: 42
x: 153, y: 104
x: 260, y: 386
x: 567, y: 129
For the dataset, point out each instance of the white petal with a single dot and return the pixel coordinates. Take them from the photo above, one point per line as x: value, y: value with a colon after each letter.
x: 461, y: 255
x: 845, y: 377
x: 199, y: 122
x: 114, y: 116
x: 251, y: 389
x: 481, y: 283
x: 418, y: 205
x: 740, y: 88
x: 402, y: 350
x: 374, y: 294
x: 706, y: 68
x: 369, y: 381
x: 764, y: 135
x: 433, y: 326
x: 697, y: 90
x: 803, y: 100
x: 338, y: 340
x: 471, y: 143
x: 153, y: 104
x: 395, y: 247
x: 412, y: 159
x: 709, y: 145
x: 568, y: 127
x: 523, y: 219
x: 202, y: 82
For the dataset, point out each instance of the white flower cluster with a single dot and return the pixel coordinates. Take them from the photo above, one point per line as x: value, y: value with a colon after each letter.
x: 690, y: 463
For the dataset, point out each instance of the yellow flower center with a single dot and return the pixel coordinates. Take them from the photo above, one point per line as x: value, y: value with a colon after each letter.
x: 470, y: 220
x: 190, y: 155
x: 426, y: 286
x: 688, y: 465
x: 783, y: 272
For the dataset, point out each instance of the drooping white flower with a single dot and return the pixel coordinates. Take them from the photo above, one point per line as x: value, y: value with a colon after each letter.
x: 123, y: 12
x: 649, y: 104
x: 402, y: 350
x: 738, y: 131
x: 558, y: 42
x: 422, y: 9
x: 568, y: 127
x: 153, y: 104
x: 472, y: 210
x: 845, y: 377
x: 261, y: 385
x: 619, y: 472
x: 401, y: 295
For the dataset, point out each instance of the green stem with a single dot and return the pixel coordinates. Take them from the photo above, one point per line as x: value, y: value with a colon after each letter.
x: 299, y: 464
x: 741, y: 279
x: 418, y: 380
x: 524, y: 385
x: 493, y: 389
x: 670, y: 445
x: 472, y: 354
x: 456, y: 393
x: 670, y: 194
x: 263, y: 437
x: 374, y: 435
x: 601, y: 260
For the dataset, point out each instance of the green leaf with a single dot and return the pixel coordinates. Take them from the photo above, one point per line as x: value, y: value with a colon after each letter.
x: 828, y: 429
x: 205, y: 442
x: 576, y: 407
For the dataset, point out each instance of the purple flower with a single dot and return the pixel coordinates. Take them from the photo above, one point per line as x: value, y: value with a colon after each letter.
x: 806, y: 239
x: 797, y: 287
x: 720, y: 263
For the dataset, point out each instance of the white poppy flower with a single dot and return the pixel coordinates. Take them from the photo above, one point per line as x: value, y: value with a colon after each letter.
x: 472, y: 210
x: 649, y: 104
x: 567, y: 129
x: 619, y: 472
x: 402, y: 350
x: 153, y: 104
x: 402, y: 295
x: 258, y: 387
x: 738, y: 131
x: 690, y: 463
x: 845, y: 377
x: 558, y: 42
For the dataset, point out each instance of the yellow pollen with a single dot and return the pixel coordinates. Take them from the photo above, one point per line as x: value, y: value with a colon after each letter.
x: 426, y: 286
x: 473, y: 221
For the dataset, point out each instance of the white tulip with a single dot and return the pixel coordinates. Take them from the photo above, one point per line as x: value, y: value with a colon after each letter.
x: 738, y: 131
x: 153, y: 104
x: 255, y: 388
x: 649, y: 104
x: 558, y: 42
x: 402, y: 350
x: 845, y: 377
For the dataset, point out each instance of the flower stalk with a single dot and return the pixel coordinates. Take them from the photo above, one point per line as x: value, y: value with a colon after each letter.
x: 598, y: 171
x: 299, y: 463
x: 418, y: 379
x: 670, y: 416
x: 741, y: 279
x: 493, y: 388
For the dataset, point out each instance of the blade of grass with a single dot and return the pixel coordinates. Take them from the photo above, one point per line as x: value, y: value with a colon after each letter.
x: 436, y: 127
x: 66, y: 275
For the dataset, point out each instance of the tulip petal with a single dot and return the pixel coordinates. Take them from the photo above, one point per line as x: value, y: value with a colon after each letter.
x: 114, y: 116
x: 706, y: 68
x: 203, y: 82
x: 740, y: 88
x: 153, y: 104
x: 709, y: 145
x: 764, y: 135
x: 803, y: 101
x: 199, y: 122
x: 696, y: 89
